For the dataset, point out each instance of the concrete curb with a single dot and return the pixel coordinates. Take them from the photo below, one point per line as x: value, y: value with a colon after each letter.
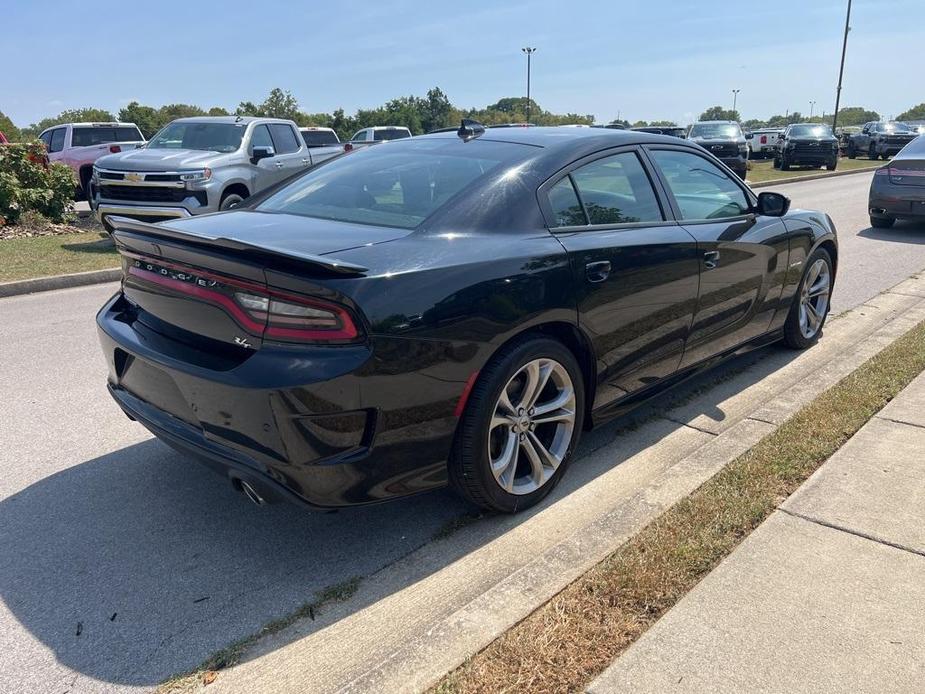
x: 811, y: 177
x: 418, y: 619
x: 44, y: 284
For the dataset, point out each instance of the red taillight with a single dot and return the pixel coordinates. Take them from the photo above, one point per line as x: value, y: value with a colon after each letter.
x: 883, y: 171
x: 348, y: 147
x: 115, y: 149
x: 268, y: 313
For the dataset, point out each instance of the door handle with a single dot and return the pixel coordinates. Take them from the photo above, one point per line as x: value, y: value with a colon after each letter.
x: 279, y: 165
x: 711, y: 259
x: 306, y: 161
x: 598, y: 271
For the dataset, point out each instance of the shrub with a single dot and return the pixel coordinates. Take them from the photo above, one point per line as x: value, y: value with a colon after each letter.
x: 27, y: 183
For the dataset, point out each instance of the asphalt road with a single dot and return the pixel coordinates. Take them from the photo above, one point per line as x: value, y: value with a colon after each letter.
x: 122, y: 563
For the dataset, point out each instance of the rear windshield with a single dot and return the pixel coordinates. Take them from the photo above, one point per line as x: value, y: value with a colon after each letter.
x: 716, y: 130
x: 395, y: 134
x: 94, y: 135
x: 810, y: 131
x: 397, y: 186
x: 209, y: 137
x: 319, y: 138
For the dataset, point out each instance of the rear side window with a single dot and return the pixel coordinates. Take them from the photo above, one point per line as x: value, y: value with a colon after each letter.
x: 701, y: 189
x: 397, y: 186
x: 396, y: 134
x: 319, y: 138
x: 284, y: 138
x: 616, y: 190
x: 86, y: 137
x: 565, y: 204
x: 57, y: 140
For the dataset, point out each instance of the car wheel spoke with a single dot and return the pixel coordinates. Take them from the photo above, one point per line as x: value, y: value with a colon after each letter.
x: 505, y: 467
x: 537, y: 473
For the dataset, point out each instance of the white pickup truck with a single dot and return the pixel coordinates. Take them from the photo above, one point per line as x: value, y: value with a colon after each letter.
x: 764, y: 142
x: 79, y: 145
x: 376, y: 135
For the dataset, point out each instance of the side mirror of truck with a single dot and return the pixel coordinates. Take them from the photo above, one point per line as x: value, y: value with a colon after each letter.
x: 749, y: 136
x: 258, y: 153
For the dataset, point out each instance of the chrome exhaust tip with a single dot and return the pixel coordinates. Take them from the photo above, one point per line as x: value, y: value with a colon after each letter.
x: 251, y: 493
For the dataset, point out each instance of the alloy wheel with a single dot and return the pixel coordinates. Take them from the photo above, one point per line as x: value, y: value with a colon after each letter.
x: 531, y: 426
x: 814, y: 298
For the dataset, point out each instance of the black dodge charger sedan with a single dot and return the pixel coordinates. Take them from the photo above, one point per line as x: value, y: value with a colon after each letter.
x: 451, y: 309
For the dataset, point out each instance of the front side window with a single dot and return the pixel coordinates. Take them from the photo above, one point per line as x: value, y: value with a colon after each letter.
x: 397, y: 186
x: 46, y: 138
x: 360, y: 136
x: 616, y: 190
x: 701, y: 189
x: 261, y: 137
x: 209, y: 137
x: 283, y: 138
x: 57, y: 140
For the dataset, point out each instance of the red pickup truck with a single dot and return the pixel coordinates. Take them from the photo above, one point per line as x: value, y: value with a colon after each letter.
x: 78, y: 145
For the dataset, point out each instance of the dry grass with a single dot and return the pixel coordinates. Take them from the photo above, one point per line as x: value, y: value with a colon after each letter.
x: 764, y: 170
x: 573, y: 637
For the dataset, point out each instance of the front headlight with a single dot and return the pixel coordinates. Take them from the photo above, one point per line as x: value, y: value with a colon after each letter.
x: 96, y: 174
x: 196, y: 176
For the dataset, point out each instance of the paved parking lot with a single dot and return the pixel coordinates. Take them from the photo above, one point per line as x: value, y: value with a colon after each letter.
x: 121, y: 563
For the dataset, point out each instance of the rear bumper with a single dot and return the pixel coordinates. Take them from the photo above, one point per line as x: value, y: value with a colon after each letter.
x: 291, y: 421
x: 140, y: 212
x: 899, y: 202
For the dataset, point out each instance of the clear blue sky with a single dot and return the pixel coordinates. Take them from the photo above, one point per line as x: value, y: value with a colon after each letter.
x: 644, y: 59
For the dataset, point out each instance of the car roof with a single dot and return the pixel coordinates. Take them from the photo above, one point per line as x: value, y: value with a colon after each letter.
x: 229, y: 119
x: 385, y: 127
x: 724, y: 122
x: 315, y: 127
x: 552, y: 138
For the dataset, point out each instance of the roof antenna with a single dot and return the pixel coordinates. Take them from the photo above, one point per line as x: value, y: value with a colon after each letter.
x: 470, y: 129
x: 238, y: 119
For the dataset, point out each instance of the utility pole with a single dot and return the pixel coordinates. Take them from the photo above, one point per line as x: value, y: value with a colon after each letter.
x: 735, y: 96
x: 841, y: 69
x: 529, y: 52
x: 812, y: 107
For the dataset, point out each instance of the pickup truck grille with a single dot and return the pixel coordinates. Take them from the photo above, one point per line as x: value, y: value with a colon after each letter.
x: 899, y: 140
x: 818, y: 148
x: 149, y: 177
x: 722, y: 151
x: 149, y: 194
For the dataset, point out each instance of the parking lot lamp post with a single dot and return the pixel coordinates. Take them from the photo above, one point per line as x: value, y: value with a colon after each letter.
x: 735, y: 97
x: 529, y: 52
x: 841, y: 69
x: 812, y: 106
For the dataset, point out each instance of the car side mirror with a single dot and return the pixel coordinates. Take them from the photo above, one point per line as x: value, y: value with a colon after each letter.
x: 773, y: 204
x: 749, y: 136
x: 258, y: 153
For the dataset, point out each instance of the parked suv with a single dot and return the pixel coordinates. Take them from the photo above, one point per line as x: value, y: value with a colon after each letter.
x: 377, y: 135
x: 724, y: 140
x: 807, y: 144
x: 880, y: 139
x: 198, y: 165
x: 79, y: 145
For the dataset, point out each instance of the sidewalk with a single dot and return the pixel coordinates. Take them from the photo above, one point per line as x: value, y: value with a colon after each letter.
x: 827, y: 595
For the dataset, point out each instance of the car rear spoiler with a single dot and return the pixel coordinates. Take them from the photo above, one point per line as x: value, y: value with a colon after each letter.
x: 332, y: 265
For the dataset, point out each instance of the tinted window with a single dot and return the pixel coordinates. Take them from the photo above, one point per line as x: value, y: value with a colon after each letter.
x: 57, y: 140
x: 284, y: 138
x: 398, y: 186
x: 701, y: 189
x: 261, y: 137
x: 565, y: 204
x: 46, y: 138
x: 616, y: 190
x: 85, y: 137
x: 210, y: 137
x: 392, y: 134
x: 319, y: 138
x: 360, y: 136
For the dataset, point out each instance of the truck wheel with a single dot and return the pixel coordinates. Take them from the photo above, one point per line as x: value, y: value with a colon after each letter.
x: 85, y: 177
x: 784, y: 164
x: 832, y: 165
x: 852, y: 152
x: 230, y: 200
x: 872, y: 152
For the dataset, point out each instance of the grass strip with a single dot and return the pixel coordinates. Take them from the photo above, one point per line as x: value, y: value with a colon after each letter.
x: 572, y: 638
x: 42, y: 256
x: 764, y: 170
x: 208, y: 670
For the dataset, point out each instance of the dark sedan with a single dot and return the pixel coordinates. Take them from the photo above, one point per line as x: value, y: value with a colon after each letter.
x: 897, y: 190
x: 452, y: 309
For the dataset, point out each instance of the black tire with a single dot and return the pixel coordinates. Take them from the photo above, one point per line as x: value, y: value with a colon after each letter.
x: 872, y: 152
x: 230, y: 200
x: 831, y: 166
x: 776, y: 163
x: 784, y: 164
x: 793, y: 335
x: 470, y: 463
x: 881, y: 222
x: 85, y: 176
x: 852, y: 152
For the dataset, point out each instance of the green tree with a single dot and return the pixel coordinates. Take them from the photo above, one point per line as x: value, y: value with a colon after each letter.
x: 719, y: 113
x: 856, y: 115
x: 9, y: 129
x: 71, y: 115
x: 145, y: 117
x: 279, y: 104
x: 437, y: 111
x: 664, y: 123
x: 914, y: 113
x: 247, y: 108
x: 218, y: 111
x: 640, y: 124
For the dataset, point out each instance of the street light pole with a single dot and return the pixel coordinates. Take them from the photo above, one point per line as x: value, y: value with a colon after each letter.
x: 529, y: 52
x: 841, y: 69
x: 812, y: 107
x: 735, y: 97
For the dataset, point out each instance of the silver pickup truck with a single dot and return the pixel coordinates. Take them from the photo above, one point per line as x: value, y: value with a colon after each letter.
x: 198, y: 165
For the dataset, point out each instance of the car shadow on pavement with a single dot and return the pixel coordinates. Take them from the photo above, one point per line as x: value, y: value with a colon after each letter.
x: 137, y: 565
x: 901, y: 232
